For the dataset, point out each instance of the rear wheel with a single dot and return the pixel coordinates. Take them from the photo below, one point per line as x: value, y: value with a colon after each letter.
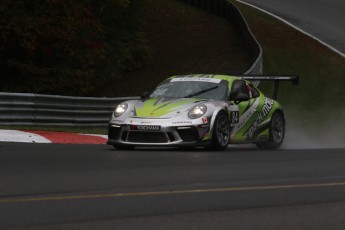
x: 220, y: 132
x: 276, y: 132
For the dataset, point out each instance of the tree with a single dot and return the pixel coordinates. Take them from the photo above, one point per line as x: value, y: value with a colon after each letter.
x: 68, y: 47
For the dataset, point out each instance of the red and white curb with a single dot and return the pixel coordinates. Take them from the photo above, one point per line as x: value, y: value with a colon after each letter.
x: 33, y: 136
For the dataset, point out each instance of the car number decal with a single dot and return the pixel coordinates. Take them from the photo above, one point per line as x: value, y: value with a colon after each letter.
x: 235, y: 117
x: 245, y: 116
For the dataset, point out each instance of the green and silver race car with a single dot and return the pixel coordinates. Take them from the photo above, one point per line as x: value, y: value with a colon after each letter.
x: 201, y: 110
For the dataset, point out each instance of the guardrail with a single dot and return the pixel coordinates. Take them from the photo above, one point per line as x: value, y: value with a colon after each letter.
x: 27, y: 109
x: 22, y: 109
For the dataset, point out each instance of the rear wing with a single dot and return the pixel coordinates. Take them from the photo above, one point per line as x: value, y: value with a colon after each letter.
x: 275, y: 79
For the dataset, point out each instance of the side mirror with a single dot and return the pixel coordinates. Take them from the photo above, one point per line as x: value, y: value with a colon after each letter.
x: 145, y: 95
x: 239, y: 97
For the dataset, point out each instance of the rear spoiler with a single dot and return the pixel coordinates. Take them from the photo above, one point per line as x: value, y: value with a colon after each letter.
x: 275, y: 79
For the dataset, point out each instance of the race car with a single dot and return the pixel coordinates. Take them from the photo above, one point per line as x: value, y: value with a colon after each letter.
x: 201, y: 110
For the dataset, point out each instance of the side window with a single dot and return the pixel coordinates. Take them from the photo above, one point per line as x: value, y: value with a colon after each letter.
x: 239, y: 86
x: 253, y: 92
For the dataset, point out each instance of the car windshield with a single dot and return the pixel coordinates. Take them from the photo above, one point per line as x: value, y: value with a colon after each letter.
x: 192, y: 87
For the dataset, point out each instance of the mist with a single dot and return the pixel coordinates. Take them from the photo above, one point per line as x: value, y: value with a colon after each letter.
x: 328, y: 134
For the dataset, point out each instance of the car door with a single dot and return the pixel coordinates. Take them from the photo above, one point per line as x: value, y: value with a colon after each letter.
x: 247, y: 111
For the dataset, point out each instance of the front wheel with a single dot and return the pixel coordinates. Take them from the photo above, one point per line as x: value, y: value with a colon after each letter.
x: 220, y: 132
x: 276, y: 132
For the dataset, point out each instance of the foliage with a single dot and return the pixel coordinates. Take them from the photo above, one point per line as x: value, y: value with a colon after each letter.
x: 69, y: 47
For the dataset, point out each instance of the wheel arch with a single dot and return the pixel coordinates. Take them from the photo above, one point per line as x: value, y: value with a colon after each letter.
x: 270, y: 143
x: 215, y: 114
x: 280, y: 110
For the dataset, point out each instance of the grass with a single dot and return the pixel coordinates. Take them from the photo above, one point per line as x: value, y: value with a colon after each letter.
x: 319, y: 99
x: 185, y: 40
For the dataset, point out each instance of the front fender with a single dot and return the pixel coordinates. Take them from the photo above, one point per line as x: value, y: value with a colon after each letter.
x: 218, y: 108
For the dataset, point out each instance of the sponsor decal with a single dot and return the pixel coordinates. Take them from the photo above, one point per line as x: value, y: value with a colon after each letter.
x: 145, y: 127
x: 181, y: 122
x: 203, y: 79
x: 145, y: 122
x: 266, y: 109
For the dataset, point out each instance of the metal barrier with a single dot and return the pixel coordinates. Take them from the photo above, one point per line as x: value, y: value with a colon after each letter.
x: 48, y: 110
x: 25, y: 109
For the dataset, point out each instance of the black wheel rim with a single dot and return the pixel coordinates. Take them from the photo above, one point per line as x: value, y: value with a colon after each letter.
x: 277, y: 129
x: 222, y: 131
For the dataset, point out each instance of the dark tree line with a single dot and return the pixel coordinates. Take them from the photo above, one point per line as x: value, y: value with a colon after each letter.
x: 69, y: 47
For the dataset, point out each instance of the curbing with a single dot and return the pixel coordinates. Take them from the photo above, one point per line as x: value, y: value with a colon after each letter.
x: 32, y: 136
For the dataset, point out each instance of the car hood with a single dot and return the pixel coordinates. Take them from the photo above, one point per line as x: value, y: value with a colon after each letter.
x: 164, y: 107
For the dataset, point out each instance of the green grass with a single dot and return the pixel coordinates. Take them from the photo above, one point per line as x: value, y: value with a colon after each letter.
x: 319, y: 99
x: 185, y: 40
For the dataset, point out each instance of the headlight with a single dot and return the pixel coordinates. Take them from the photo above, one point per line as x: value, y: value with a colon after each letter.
x: 197, y: 111
x: 120, y: 109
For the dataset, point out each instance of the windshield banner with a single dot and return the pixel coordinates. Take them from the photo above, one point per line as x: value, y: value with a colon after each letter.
x: 213, y: 80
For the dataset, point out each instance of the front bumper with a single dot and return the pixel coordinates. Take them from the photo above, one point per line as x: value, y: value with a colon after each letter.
x: 128, y: 134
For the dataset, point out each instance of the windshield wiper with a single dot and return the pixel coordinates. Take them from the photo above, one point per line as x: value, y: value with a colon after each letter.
x: 202, y: 91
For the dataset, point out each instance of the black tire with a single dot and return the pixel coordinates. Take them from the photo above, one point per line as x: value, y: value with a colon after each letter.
x: 220, y: 132
x: 276, y: 132
x: 123, y: 147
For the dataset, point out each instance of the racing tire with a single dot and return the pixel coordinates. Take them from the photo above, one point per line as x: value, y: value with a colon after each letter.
x: 220, y: 132
x: 276, y: 132
x: 123, y: 147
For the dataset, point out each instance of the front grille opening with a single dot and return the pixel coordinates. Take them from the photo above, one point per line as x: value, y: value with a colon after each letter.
x: 147, y: 137
x: 188, y: 134
x: 114, y: 132
x: 171, y: 137
x: 124, y: 135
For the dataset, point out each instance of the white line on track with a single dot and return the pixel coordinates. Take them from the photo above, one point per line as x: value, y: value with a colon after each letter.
x: 96, y: 135
x: 295, y: 27
x: 21, y: 136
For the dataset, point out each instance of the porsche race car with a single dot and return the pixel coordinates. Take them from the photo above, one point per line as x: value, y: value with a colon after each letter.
x: 201, y: 110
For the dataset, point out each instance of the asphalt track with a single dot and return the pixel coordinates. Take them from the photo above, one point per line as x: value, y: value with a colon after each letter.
x: 50, y: 186
x: 324, y: 20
